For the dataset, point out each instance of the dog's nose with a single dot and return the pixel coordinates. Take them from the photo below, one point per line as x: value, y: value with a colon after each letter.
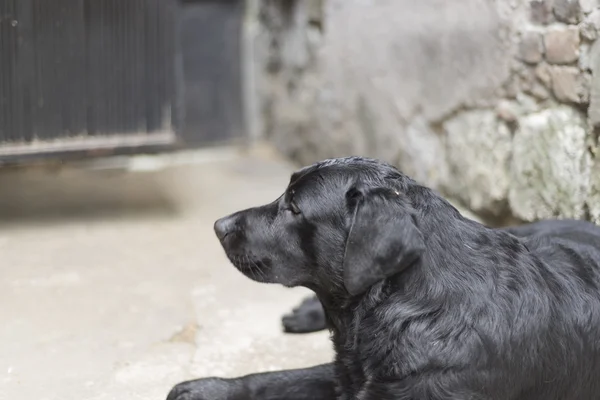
x: 224, y: 226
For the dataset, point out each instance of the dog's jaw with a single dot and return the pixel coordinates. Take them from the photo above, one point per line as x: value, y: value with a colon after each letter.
x: 252, y: 267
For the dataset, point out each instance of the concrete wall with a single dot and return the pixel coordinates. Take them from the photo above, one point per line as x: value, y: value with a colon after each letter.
x: 493, y: 103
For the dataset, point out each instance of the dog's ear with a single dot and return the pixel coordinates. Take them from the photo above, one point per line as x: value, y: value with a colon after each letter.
x: 383, y: 240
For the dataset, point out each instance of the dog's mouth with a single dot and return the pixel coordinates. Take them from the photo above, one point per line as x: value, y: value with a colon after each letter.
x: 250, y: 266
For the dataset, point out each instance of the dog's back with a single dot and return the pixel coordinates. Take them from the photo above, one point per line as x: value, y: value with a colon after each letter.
x: 562, y: 228
x: 576, y: 243
x: 567, y: 237
x: 569, y: 255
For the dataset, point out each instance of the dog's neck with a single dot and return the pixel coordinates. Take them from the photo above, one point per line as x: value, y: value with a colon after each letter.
x: 342, y: 310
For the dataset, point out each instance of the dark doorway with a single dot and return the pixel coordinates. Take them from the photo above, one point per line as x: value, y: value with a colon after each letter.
x: 210, y: 32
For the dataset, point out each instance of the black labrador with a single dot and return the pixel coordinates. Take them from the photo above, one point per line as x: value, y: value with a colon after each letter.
x: 422, y: 303
x: 309, y: 315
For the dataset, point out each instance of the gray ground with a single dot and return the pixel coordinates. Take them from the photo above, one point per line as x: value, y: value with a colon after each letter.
x: 113, y: 285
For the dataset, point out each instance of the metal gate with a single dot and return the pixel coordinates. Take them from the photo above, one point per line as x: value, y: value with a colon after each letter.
x: 113, y: 76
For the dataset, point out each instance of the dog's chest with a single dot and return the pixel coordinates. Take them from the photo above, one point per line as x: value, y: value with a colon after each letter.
x: 352, y: 371
x: 351, y: 375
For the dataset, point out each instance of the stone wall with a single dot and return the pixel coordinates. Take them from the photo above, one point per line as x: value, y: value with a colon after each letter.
x: 493, y: 103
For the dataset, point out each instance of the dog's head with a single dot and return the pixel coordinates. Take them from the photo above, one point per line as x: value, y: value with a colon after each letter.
x: 341, y: 226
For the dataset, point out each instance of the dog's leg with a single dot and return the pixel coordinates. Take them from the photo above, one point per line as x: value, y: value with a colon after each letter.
x: 316, y: 383
x: 308, y: 317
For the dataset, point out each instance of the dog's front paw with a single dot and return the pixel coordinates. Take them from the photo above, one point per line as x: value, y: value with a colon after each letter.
x: 206, y: 389
x: 307, y: 317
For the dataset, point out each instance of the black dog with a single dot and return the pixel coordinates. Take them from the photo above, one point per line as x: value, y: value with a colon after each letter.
x: 422, y: 303
x: 309, y: 316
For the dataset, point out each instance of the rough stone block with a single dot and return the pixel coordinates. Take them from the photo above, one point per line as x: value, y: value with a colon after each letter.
x: 568, y: 11
x: 530, y: 84
x: 562, y: 45
x: 510, y: 89
x: 569, y: 84
x: 542, y: 72
x: 528, y: 104
x: 587, y: 6
x: 593, y: 200
x: 540, y: 11
x: 564, y: 83
x: 422, y: 154
x: 478, y: 150
x: 584, y: 62
x: 594, y: 109
x: 539, y: 91
x: 507, y: 111
x: 590, y: 27
x: 585, y: 83
x: 531, y: 47
x: 550, y: 166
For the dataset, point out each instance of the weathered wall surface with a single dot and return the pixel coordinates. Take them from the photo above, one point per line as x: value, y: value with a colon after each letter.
x: 494, y: 103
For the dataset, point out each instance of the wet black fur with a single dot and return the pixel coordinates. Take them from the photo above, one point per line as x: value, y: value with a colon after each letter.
x: 309, y: 315
x: 422, y: 303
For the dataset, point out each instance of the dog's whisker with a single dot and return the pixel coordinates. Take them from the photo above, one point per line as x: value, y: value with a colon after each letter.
x: 257, y: 268
x: 251, y: 269
x: 263, y: 276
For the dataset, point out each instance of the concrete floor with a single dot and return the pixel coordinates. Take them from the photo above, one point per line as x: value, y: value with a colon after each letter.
x: 113, y: 285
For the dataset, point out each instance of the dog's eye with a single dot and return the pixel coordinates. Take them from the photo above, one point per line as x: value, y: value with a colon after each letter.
x: 293, y: 207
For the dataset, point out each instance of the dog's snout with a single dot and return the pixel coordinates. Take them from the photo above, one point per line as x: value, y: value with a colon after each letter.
x: 224, y: 226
